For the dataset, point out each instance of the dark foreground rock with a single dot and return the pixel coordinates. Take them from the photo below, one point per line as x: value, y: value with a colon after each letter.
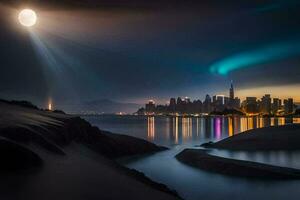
x: 54, y: 131
x: 75, y: 160
x: 14, y: 157
x: 201, y: 159
x: 285, y: 137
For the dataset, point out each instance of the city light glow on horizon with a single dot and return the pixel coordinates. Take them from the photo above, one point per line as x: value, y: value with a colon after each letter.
x: 282, y: 92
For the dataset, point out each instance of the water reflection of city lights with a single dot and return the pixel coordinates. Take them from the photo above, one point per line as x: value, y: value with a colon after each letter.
x: 197, y: 123
x: 217, y: 127
x: 230, y: 126
x: 183, y: 129
x: 249, y: 123
x: 151, y: 128
x: 186, y: 128
x: 272, y: 121
x: 176, y: 130
x: 281, y: 121
x: 296, y: 120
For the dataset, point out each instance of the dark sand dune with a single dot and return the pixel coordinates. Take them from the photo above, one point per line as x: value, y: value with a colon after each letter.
x: 73, y: 158
x: 201, y: 159
x: 53, y: 131
x: 16, y: 157
x: 285, y: 137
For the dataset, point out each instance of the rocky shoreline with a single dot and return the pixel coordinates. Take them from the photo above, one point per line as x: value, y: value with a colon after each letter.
x: 277, y: 138
x: 201, y: 159
x: 34, y: 139
x: 286, y: 137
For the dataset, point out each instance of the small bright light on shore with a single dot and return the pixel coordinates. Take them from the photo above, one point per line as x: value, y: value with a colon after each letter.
x: 50, y: 106
x: 27, y: 17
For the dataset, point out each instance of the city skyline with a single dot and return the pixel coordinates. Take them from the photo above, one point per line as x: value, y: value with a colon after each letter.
x: 222, y: 105
x: 281, y: 95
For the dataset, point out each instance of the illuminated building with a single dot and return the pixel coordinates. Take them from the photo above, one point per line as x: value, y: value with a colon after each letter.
x: 232, y: 102
x: 265, y: 105
x: 207, y: 104
x: 226, y: 101
x: 220, y: 99
x: 288, y: 106
x: 172, y: 105
x: 251, y: 105
x: 231, y: 91
x: 150, y: 107
x: 218, y: 103
x: 180, y: 107
x: 197, y: 106
x: 237, y: 103
x: 187, y: 100
x: 179, y: 100
x: 276, y: 105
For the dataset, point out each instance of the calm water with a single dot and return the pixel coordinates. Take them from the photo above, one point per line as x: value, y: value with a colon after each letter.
x: 193, y: 184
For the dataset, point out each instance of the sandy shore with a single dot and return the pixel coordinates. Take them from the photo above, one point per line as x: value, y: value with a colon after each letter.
x: 201, y: 159
x: 285, y: 137
x: 46, y: 155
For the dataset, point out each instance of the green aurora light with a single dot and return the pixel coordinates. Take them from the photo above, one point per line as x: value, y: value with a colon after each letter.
x: 251, y: 58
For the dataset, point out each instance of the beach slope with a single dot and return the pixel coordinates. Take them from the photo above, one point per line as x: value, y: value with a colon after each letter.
x: 51, y: 155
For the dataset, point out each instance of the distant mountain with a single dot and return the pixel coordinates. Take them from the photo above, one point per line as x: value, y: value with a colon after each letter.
x: 105, y: 106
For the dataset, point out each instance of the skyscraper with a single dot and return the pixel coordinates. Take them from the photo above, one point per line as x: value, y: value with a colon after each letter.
x: 233, y: 102
x: 276, y: 105
x: 207, y: 104
x: 251, y: 105
x: 172, y: 105
x: 265, y: 107
x: 288, y: 106
x: 231, y: 91
x: 150, y: 106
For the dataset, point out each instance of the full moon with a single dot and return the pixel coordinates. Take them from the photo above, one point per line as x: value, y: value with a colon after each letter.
x: 27, y: 17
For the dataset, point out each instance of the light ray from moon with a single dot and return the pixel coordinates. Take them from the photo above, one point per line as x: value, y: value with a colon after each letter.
x: 60, y: 69
x: 55, y: 71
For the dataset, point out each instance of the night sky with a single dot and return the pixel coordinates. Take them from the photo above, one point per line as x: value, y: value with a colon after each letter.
x: 132, y: 51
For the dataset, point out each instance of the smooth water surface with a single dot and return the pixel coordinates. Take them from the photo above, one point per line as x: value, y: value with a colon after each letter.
x: 191, y: 183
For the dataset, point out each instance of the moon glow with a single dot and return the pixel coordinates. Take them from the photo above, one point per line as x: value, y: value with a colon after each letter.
x: 27, y: 17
